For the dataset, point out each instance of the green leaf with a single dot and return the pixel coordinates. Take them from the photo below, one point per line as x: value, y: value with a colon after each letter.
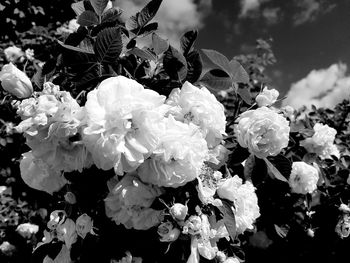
x: 275, y: 173
x: 111, y: 15
x: 99, y: 6
x: 159, y: 45
x: 108, y: 45
x: 229, y: 218
x: 78, y: 7
x: 131, y: 23
x: 148, y: 29
x: 87, y: 18
x: 143, y: 53
x: 244, y: 93
x: 238, y: 73
x: 282, y: 164
x: 77, y: 49
x: 216, y: 61
x: 194, y: 65
x: 187, y: 41
x: 282, y: 231
x: 175, y: 64
x: 148, y: 12
x: 215, y: 83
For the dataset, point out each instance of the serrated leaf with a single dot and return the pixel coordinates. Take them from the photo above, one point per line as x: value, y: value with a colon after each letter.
x: 244, y: 93
x: 142, y: 53
x: 187, y: 41
x: 282, y: 164
x: 111, y: 15
x: 216, y: 61
x: 215, y: 83
x: 77, y: 49
x: 282, y: 231
x: 238, y: 73
x: 229, y: 218
x: 108, y: 45
x: 78, y: 7
x: 99, y: 6
x: 274, y: 171
x: 175, y: 64
x: 131, y: 23
x: 159, y: 45
x: 148, y: 29
x: 194, y: 65
x: 87, y: 18
x: 148, y: 12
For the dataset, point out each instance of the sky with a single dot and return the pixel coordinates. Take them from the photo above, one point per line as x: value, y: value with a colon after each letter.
x: 311, y: 39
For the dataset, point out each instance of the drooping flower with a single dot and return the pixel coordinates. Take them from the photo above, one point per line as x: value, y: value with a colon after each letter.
x: 197, y: 105
x: 322, y: 142
x: 122, y: 123
x: 263, y: 131
x: 303, y: 178
x: 129, y: 203
x: 179, y: 157
x: 245, y: 201
x: 15, y: 81
x: 267, y: 97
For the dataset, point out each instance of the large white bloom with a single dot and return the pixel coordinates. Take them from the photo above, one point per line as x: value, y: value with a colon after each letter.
x: 129, y: 203
x: 121, y: 123
x: 321, y: 142
x: 303, y: 178
x: 199, y: 106
x: 51, y: 124
x: 245, y: 201
x: 179, y: 157
x: 263, y: 131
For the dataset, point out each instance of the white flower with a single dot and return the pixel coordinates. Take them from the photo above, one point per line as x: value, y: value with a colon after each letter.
x: 232, y: 260
x: 199, y: 106
x: 51, y: 124
x: 83, y: 225
x: 167, y: 232
x: 192, y: 225
x: 15, y: 81
x: 29, y: 54
x: 179, y: 211
x: 267, y: 97
x: 121, y: 123
x: 57, y: 218
x: 245, y: 201
x: 303, y: 178
x: 36, y: 174
x: 66, y: 232
x: 128, y: 259
x: 26, y: 230
x: 68, y: 28
x: 129, y: 204
x: 321, y: 142
x: 262, y: 131
x: 13, y: 53
x: 179, y: 156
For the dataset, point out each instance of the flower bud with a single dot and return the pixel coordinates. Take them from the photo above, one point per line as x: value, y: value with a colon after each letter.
x: 13, y: 53
x: 167, y: 232
x: 179, y: 211
x: 70, y: 198
x: 15, y: 81
x: 267, y: 97
x: 83, y: 225
x: 192, y: 225
x: 26, y: 230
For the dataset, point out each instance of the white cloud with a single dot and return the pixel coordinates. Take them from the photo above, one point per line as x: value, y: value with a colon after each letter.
x: 249, y: 5
x: 174, y: 17
x: 322, y: 88
x: 310, y: 10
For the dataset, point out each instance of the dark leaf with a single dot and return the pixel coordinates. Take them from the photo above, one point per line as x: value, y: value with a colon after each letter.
x: 142, y: 53
x: 131, y: 44
x: 244, y: 93
x: 148, y: 12
x: 111, y: 15
x: 187, y: 41
x: 77, y: 49
x: 48, y: 249
x: 49, y: 66
x: 215, y: 83
x: 194, y: 65
x: 87, y: 18
x: 99, y: 6
x: 148, y: 29
x: 159, y: 45
x: 175, y: 64
x: 215, y: 60
x: 108, y: 45
x: 229, y: 218
x: 275, y: 173
x: 238, y: 73
x: 282, y: 164
x: 238, y: 155
x: 78, y: 7
x: 282, y: 231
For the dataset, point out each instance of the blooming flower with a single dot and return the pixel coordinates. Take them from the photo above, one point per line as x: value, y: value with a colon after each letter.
x: 67, y: 232
x: 263, y: 131
x: 267, y: 97
x: 245, y: 201
x: 121, y: 123
x: 322, y: 142
x: 83, y: 225
x: 303, y: 178
x: 167, y: 232
x: 179, y: 211
x: 15, y: 81
x: 129, y: 203
x: 199, y: 106
x: 26, y: 230
x: 29, y: 53
x: 13, y: 53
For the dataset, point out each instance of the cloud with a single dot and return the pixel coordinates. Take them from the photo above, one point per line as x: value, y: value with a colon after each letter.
x: 271, y: 15
x: 248, y: 6
x: 322, y: 88
x: 174, y: 17
x: 310, y: 10
x: 257, y: 9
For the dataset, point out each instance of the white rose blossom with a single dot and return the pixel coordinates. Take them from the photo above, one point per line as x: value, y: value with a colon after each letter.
x: 245, y: 201
x: 322, y: 142
x: 122, y: 123
x: 15, y: 81
x: 13, y: 53
x: 263, y: 131
x: 27, y: 230
x: 267, y: 97
x: 191, y: 104
x: 129, y: 203
x: 179, y: 157
x: 167, y: 232
x: 303, y: 178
